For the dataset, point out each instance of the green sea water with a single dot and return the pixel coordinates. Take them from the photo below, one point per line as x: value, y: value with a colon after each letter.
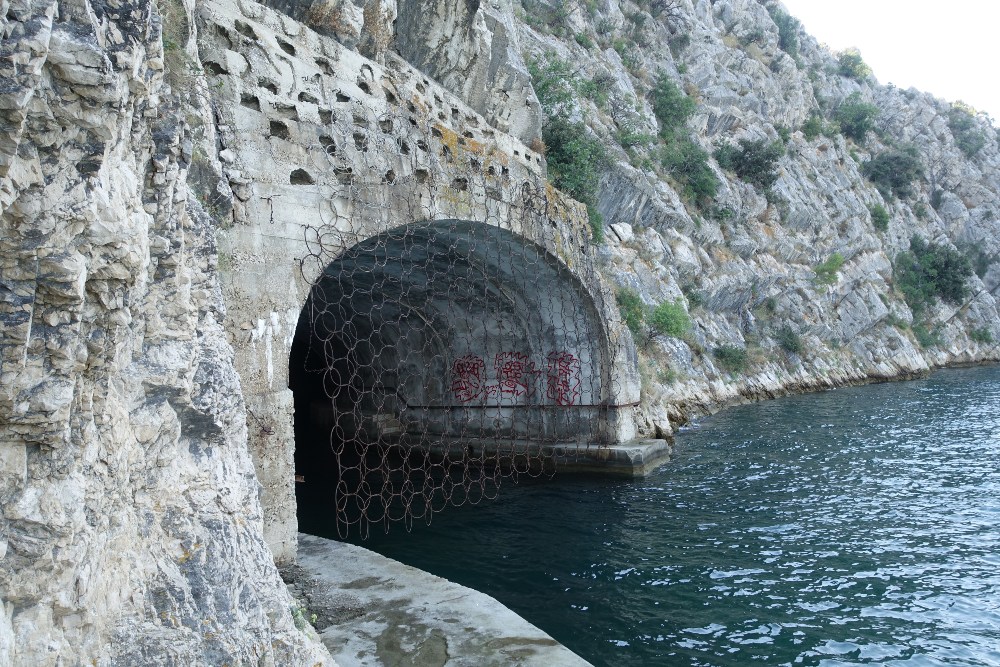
x: 856, y: 526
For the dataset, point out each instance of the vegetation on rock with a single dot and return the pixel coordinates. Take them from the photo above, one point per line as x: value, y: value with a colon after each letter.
x: 928, y: 271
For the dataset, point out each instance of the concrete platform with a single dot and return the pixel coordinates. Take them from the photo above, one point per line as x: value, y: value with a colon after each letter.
x: 373, y: 611
x: 636, y: 458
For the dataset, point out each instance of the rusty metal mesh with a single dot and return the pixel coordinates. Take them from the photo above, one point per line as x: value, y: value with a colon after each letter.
x: 438, y: 357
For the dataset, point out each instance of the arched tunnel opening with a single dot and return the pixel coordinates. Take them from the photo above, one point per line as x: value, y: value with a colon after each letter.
x: 434, y: 361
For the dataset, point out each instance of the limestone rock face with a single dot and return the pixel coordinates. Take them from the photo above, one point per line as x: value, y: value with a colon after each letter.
x: 130, y: 525
x: 744, y: 266
x: 472, y: 48
x: 131, y: 522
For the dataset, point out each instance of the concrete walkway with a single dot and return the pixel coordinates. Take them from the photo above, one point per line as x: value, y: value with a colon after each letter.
x: 372, y: 610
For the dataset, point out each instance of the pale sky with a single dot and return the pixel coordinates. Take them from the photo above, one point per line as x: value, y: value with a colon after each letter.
x: 950, y: 48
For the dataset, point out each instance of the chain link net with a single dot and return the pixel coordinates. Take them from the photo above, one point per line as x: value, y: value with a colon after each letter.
x: 446, y: 345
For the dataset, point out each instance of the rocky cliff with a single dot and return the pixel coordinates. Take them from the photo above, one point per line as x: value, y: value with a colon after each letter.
x: 753, y: 265
x: 131, y: 525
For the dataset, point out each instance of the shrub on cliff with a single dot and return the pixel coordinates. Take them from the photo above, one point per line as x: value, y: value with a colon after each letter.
x: 853, y: 66
x: 894, y: 171
x: 687, y: 163
x: 669, y: 319
x: 962, y: 122
x: 733, y: 359
x: 632, y: 309
x: 576, y: 161
x: 856, y: 117
x: 671, y: 106
x: 927, y: 271
x: 880, y: 217
x: 788, y: 28
x: 754, y: 161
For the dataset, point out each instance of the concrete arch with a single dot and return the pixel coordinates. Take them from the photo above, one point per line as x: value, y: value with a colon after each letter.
x: 446, y: 335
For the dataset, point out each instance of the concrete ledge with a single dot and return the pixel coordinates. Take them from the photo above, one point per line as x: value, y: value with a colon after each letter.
x: 637, y: 458
x: 372, y: 610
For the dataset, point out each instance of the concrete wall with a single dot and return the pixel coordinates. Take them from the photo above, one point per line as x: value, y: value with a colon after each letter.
x: 325, y: 149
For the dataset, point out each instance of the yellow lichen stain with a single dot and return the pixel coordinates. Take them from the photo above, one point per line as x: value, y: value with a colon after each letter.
x: 418, y: 103
x: 187, y: 554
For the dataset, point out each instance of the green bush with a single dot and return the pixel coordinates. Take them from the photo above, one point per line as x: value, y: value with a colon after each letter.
x: 856, y: 117
x: 813, y: 126
x: 669, y: 319
x: 687, y: 163
x: 576, y: 161
x: 584, y: 40
x: 555, y: 83
x: 880, y: 217
x: 755, y: 161
x: 671, y: 106
x: 982, y: 336
x: 789, y: 340
x: 788, y: 28
x: 962, y: 121
x: 732, y: 358
x: 632, y: 309
x: 852, y: 65
x: 826, y: 273
x: 927, y: 271
x: 894, y: 171
x: 926, y: 337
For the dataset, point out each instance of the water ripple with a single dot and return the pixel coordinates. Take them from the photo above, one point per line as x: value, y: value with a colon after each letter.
x: 857, y: 526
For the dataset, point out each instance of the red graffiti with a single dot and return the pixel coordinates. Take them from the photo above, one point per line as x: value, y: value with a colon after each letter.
x: 513, y: 373
x: 516, y: 376
x: 564, y: 378
x: 467, y: 377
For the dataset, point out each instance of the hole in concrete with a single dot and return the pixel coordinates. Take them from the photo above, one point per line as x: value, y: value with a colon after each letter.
x: 420, y: 88
x: 390, y: 177
x: 267, y: 85
x: 326, y: 117
x: 422, y: 175
x: 361, y: 141
x: 222, y: 32
x: 245, y: 30
x: 433, y: 360
x: 404, y: 148
x: 328, y: 144
x: 422, y: 145
x: 411, y: 107
x: 214, y: 68
x: 306, y: 97
x: 390, y: 98
x: 360, y: 121
x: 385, y: 125
x: 325, y: 66
x: 435, y: 132
x: 461, y: 184
x: 345, y: 175
x: 250, y: 102
x: 301, y: 177
x: 279, y: 130
x: 286, y: 111
x: 342, y: 97
x: 285, y: 46
x: 363, y: 85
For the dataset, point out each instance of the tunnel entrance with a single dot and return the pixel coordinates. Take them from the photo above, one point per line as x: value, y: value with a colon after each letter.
x: 434, y: 361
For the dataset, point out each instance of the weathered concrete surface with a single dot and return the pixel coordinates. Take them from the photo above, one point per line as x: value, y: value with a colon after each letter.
x: 323, y: 150
x: 374, y: 611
